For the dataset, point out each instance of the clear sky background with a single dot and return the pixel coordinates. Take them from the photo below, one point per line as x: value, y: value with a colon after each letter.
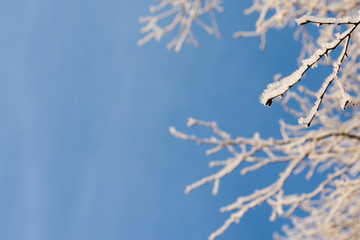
x: 85, y: 151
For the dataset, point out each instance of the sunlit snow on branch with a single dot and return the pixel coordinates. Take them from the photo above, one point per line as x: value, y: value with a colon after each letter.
x: 279, y: 88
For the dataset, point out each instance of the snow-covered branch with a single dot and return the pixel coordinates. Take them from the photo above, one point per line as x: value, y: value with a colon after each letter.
x: 279, y: 88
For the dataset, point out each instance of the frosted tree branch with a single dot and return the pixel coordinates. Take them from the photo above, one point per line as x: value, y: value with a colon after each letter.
x: 280, y: 87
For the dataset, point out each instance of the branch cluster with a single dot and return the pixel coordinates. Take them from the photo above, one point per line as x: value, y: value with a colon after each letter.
x: 328, y: 148
x: 184, y: 14
x: 331, y: 144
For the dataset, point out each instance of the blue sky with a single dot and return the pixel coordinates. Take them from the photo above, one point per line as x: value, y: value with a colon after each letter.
x: 85, y: 151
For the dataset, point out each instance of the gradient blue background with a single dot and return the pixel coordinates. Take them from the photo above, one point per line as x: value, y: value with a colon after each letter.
x: 85, y: 151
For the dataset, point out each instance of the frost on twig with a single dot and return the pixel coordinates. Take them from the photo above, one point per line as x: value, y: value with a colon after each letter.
x: 185, y: 13
x: 279, y: 88
x: 330, y: 147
